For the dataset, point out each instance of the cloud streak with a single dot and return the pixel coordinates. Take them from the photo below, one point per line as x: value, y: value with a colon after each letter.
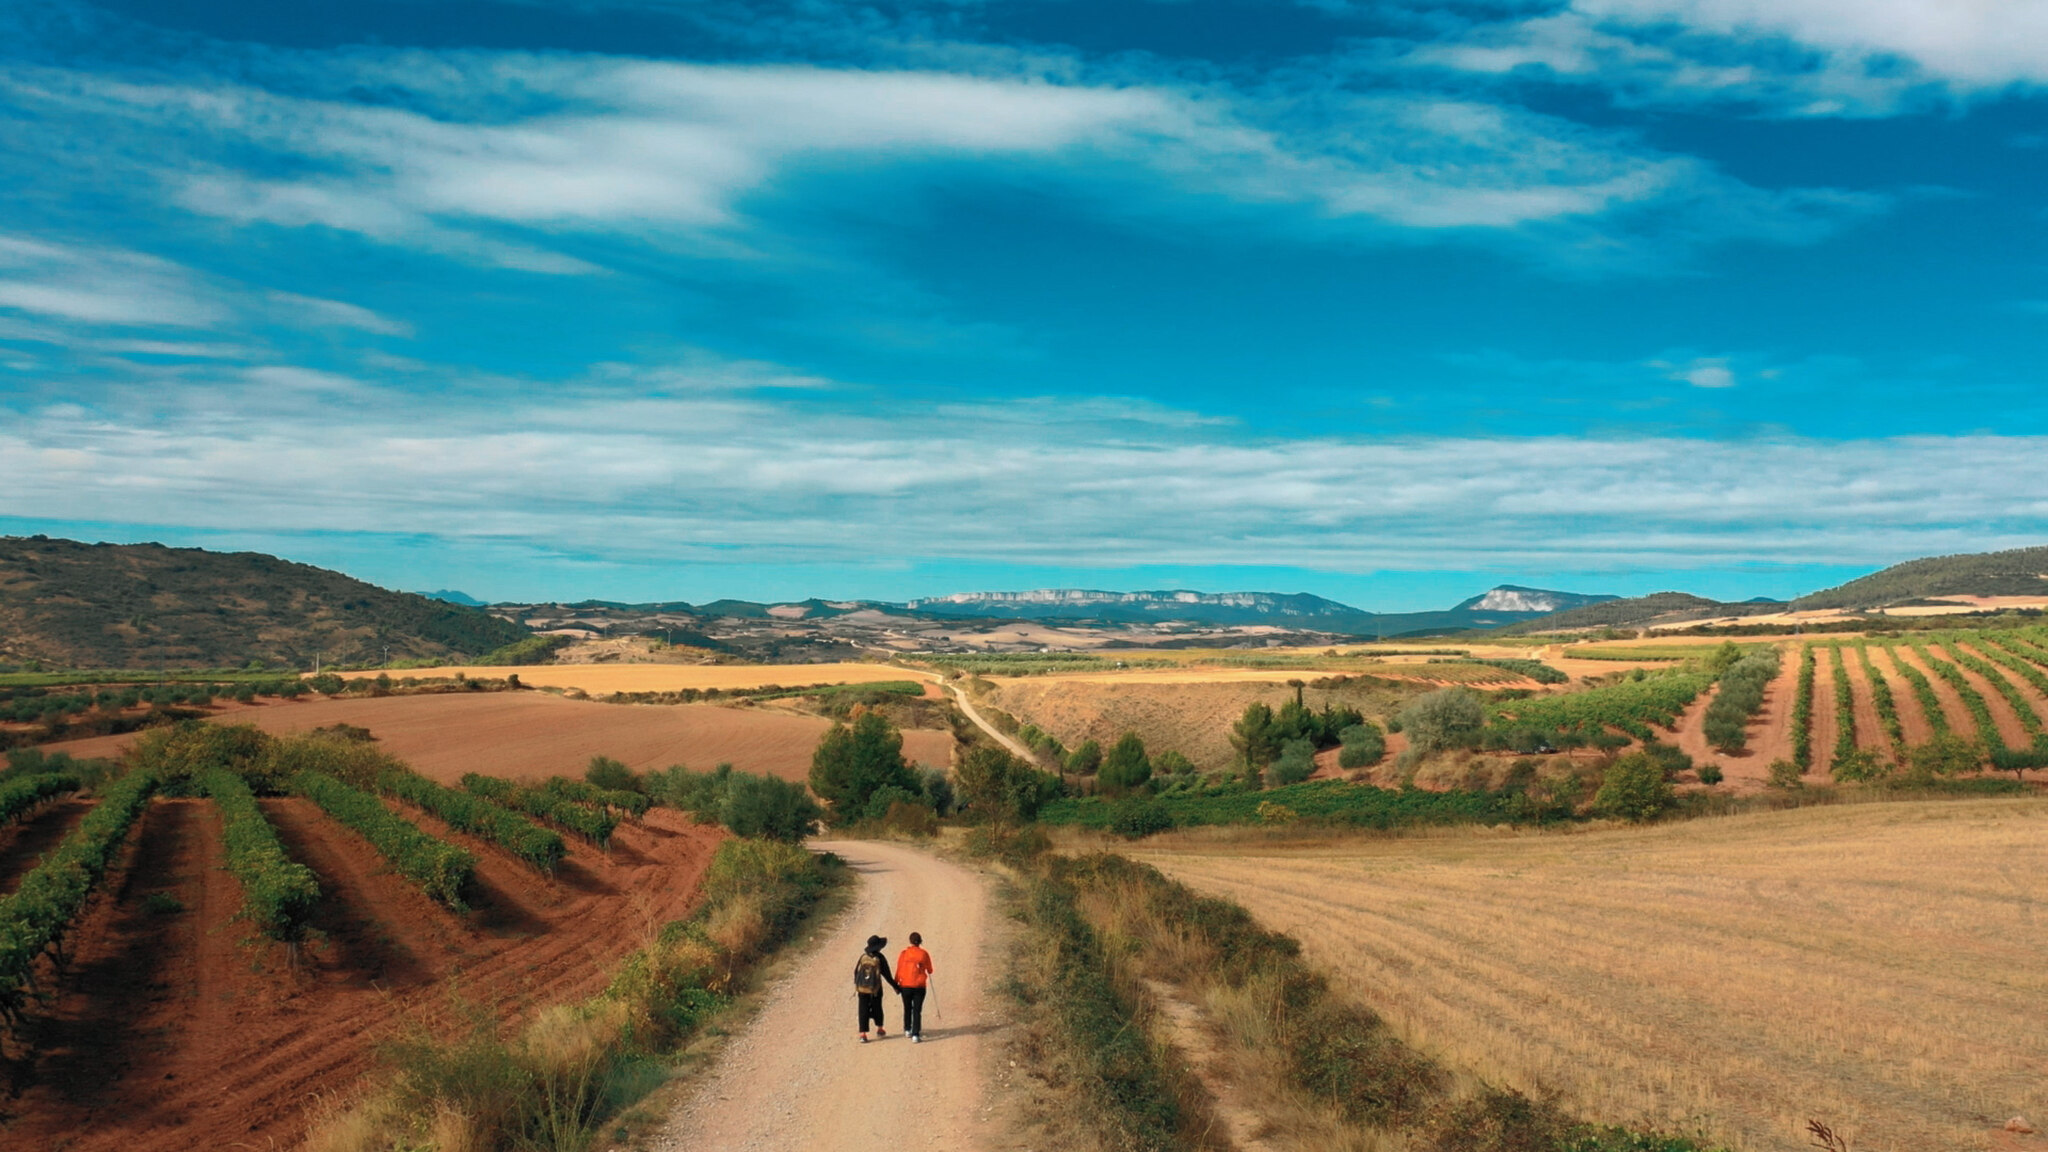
x: 724, y: 474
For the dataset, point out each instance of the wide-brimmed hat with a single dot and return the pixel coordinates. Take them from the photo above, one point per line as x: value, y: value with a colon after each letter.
x: 877, y: 941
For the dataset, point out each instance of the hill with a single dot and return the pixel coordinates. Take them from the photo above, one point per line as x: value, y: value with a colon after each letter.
x: 2018, y: 572
x: 1634, y: 611
x: 1505, y: 604
x: 133, y: 605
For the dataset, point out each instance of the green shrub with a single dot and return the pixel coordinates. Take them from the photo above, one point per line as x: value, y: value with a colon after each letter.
x: 1445, y: 718
x: 1710, y: 774
x: 1137, y: 818
x: 1126, y: 767
x: 592, y: 824
x: 768, y: 807
x: 1785, y: 774
x: 1364, y: 745
x: 278, y: 894
x: 1086, y: 760
x: 1861, y: 765
x: 1297, y: 763
x: 440, y: 869
x: 34, y: 916
x: 995, y: 785
x: 1635, y: 788
x: 1944, y: 755
x: 24, y: 794
x: 631, y: 801
x: 465, y: 812
x: 610, y: 775
x: 1172, y: 763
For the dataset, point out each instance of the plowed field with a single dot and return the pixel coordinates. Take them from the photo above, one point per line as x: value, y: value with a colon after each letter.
x: 603, y: 679
x: 1874, y: 966
x: 169, y: 1031
x: 1912, y: 717
x: 1769, y: 731
x: 525, y: 735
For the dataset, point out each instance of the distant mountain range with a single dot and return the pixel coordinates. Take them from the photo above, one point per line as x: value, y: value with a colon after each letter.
x: 1506, y: 604
x: 111, y: 605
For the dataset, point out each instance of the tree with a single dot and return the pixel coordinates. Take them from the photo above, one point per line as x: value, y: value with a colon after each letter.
x: 854, y: 761
x: 938, y: 790
x: 1635, y: 788
x: 767, y: 806
x: 1253, y: 735
x: 997, y: 786
x: 1086, y: 759
x: 1172, y: 763
x: 1126, y: 767
x: 1442, y: 719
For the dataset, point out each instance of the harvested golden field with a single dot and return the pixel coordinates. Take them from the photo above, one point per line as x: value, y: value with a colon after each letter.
x: 605, y: 679
x: 527, y: 735
x: 1874, y: 966
x: 1192, y: 717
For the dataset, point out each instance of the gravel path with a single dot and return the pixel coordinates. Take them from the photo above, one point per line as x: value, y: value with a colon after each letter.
x: 798, y: 1077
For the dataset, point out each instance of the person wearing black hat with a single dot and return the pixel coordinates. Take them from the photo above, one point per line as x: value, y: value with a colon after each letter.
x: 870, y: 972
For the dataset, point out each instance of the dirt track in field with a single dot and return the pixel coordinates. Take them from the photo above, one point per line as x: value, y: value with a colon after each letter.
x: 172, y: 1031
x: 1825, y: 718
x: 528, y: 735
x: 1959, y: 719
x: 1870, y: 730
x: 2010, y: 730
x: 798, y: 1077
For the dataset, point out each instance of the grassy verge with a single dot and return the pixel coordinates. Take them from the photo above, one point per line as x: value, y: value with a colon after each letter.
x: 557, y: 1083
x: 1330, y: 801
x: 1317, y: 1069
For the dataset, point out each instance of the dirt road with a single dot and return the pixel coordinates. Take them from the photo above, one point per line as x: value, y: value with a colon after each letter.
x: 1015, y: 746
x: 798, y: 1077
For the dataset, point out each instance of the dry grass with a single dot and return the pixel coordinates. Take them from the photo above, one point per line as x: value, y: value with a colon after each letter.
x: 1875, y: 966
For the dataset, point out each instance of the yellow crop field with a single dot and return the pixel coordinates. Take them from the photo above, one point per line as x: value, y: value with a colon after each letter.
x: 604, y: 679
x: 1874, y: 966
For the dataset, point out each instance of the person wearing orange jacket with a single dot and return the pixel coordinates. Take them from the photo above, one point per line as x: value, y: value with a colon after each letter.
x: 913, y: 979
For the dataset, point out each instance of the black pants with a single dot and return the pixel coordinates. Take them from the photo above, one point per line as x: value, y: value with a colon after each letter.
x: 913, y: 1011
x: 870, y: 1009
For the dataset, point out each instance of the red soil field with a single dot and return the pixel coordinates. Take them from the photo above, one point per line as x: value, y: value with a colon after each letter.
x: 1769, y: 731
x: 2027, y: 690
x: 2010, y: 729
x: 22, y: 843
x: 1870, y: 731
x: 1959, y: 718
x: 1912, y: 718
x: 528, y: 735
x: 1824, y: 723
x: 171, y: 1031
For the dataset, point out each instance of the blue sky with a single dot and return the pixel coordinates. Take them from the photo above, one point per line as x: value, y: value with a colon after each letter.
x: 682, y: 299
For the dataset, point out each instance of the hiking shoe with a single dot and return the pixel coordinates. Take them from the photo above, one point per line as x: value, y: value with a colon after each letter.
x: 881, y: 1033
x: 918, y: 1038
x: 863, y: 1037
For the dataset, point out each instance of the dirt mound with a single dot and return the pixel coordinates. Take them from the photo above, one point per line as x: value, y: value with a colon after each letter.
x: 170, y: 1030
x: 526, y: 735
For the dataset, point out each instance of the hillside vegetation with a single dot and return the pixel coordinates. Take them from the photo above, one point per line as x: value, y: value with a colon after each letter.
x: 2018, y: 572
x: 1636, y: 610
x: 135, y: 605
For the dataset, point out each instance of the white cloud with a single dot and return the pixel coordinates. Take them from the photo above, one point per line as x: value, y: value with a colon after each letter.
x: 1971, y: 44
x: 497, y: 158
x: 1785, y: 57
x: 99, y: 286
x: 690, y: 474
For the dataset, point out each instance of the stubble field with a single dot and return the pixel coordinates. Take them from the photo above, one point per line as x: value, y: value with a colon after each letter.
x: 1874, y: 966
x: 530, y: 735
